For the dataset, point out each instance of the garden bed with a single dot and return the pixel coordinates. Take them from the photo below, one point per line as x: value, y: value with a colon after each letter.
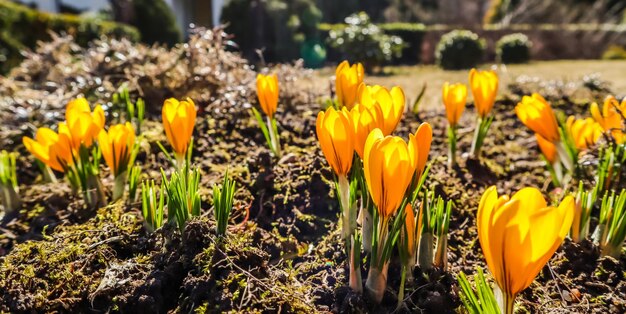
x: 283, y: 252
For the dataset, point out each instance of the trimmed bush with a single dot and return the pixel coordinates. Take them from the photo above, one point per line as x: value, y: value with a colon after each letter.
x: 22, y: 27
x: 412, y: 35
x: 279, y: 28
x: 459, y: 49
x: 363, y: 41
x: 513, y: 48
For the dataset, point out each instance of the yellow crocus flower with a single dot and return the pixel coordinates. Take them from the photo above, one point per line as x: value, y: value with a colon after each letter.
x: 51, y: 148
x: 364, y: 120
x: 536, y: 113
x: 419, y: 143
x: 548, y: 149
x: 116, y: 146
x: 518, y: 236
x: 179, y: 118
x: 484, y: 85
x: 347, y: 80
x: 389, y: 166
x: 454, y: 99
x: 609, y: 118
x: 391, y: 102
x: 82, y: 124
x: 267, y: 92
x: 584, y: 132
x: 335, y: 133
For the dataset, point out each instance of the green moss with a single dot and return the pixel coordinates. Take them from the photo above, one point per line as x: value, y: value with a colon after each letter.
x: 67, y: 264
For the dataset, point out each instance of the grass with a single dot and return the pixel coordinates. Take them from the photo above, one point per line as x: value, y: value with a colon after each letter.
x: 411, y: 78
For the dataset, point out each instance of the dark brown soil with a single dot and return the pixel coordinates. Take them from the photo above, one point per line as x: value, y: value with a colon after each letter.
x: 283, y: 251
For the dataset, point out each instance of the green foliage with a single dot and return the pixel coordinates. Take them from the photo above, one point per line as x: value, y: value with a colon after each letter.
x: 513, y: 48
x: 363, y: 41
x: 223, y: 197
x: 152, y: 201
x: 277, y: 27
x: 8, y: 182
x: 156, y: 22
x: 22, y: 27
x: 614, y: 52
x: 134, y: 111
x: 459, y: 49
x: 133, y: 182
x: 613, y: 215
x: 481, y: 301
x: 183, y: 195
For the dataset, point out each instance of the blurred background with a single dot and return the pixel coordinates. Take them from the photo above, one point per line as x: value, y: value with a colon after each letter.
x: 454, y: 34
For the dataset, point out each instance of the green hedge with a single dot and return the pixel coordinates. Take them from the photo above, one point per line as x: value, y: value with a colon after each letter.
x: 21, y: 27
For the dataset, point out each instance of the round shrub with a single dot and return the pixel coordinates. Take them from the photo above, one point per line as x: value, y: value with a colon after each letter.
x: 513, y: 48
x: 459, y: 49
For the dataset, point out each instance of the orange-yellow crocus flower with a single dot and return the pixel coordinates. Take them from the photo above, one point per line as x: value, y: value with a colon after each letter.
x: 609, y: 118
x: 347, y: 80
x: 454, y: 99
x: 51, y: 148
x: 179, y: 118
x: 364, y: 120
x: 536, y: 113
x: 584, y: 132
x: 420, y: 144
x: 548, y: 149
x: 82, y: 124
x: 519, y: 235
x: 391, y: 102
x: 116, y: 146
x: 484, y: 85
x: 267, y: 92
x: 335, y: 133
x: 388, y: 166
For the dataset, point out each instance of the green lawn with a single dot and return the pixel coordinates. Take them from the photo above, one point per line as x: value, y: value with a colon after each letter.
x: 411, y: 78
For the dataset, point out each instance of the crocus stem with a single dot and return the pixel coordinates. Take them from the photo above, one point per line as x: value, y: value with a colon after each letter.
x: 564, y: 156
x: 94, y: 194
x: 275, y: 145
x: 367, y: 224
x: 48, y: 175
x: 506, y: 302
x: 425, y: 254
x: 377, y: 282
x: 11, y: 200
x: 598, y: 234
x: 402, y: 281
x: 355, y: 266
x: 119, y: 186
x: 441, y: 254
x: 344, y: 197
x: 509, y: 304
x: 451, y: 146
x: 556, y: 171
x: 180, y: 161
x: 475, y: 149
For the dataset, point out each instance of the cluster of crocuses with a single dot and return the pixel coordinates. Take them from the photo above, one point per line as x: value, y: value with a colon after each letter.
x: 561, y: 143
x: 484, y: 86
x: 382, y: 171
x: 78, y: 144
